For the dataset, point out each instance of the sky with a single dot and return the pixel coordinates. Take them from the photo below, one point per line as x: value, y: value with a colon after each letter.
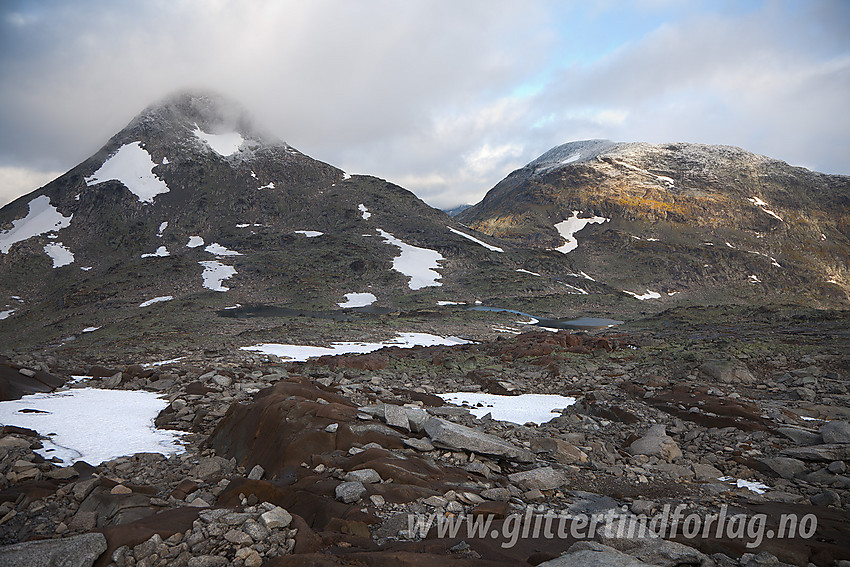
x: 444, y: 98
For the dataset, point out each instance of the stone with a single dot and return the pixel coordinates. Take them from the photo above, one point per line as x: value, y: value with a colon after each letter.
x: 827, y: 452
x: 705, y: 473
x: 786, y: 467
x: 209, y: 468
x: 417, y: 418
x: 836, y: 432
x: 656, y: 443
x: 454, y: 436
x: 563, y: 452
x: 498, y: 494
x: 419, y: 444
x: 238, y: 537
x: 349, y: 492
x: 727, y: 371
x: 801, y: 436
x: 543, y: 478
x: 366, y: 476
x: 592, y: 554
x: 277, y: 517
x: 63, y: 473
x: 256, y: 473
x: 657, y: 551
x: 396, y: 416
x: 76, y: 551
x: 826, y: 498
x: 255, y: 530
x: 223, y: 381
x: 207, y: 561
x: 120, y: 489
x: 837, y: 467
x: 436, y: 501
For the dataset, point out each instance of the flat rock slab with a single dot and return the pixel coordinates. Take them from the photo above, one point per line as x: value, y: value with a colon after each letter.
x: 592, y: 554
x: 827, y: 452
x: 543, y: 478
x: 455, y: 436
x: 77, y: 551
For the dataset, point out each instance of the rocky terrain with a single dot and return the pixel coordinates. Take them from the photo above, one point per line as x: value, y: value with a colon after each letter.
x: 323, y: 462
x: 251, y: 288
x: 702, y: 222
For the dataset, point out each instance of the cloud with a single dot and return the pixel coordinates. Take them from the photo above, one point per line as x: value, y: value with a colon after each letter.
x: 443, y: 98
x: 17, y: 181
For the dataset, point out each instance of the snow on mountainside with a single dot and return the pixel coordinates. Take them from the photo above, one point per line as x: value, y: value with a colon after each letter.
x: 689, y: 219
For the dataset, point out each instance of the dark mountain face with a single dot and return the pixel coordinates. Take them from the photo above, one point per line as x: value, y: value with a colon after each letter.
x: 191, y: 201
x: 710, y: 221
x: 191, y: 210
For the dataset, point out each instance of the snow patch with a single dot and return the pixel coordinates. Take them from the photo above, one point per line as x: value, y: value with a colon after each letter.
x: 132, y: 166
x: 59, y: 253
x: 364, y: 211
x: 90, y: 329
x: 358, y: 300
x: 300, y: 353
x: 534, y: 408
x: 751, y: 485
x: 41, y: 218
x: 222, y: 144
x: 218, y: 250
x: 444, y: 303
x: 161, y: 252
x: 162, y: 228
x: 763, y: 206
x: 269, y: 185
x: 472, y: 238
x: 643, y: 297
x: 569, y: 227
x: 570, y: 159
x: 753, y: 279
x: 578, y: 290
x: 530, y: 273
x: 150, y: 302
x: 6, y: 314
x: 93, y: 425
x: 309, y: 233
x: 163, y: 362
x: 194, y: 242
x: 215, y: 273
x: 419, y: 264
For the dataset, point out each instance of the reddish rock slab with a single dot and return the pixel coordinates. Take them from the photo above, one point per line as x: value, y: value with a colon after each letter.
x: 14, y: 385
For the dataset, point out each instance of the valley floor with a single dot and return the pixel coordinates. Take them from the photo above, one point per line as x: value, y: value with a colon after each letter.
x: 727, y: 427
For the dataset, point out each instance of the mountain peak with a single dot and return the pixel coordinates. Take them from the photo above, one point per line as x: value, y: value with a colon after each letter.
x: 202, y: 114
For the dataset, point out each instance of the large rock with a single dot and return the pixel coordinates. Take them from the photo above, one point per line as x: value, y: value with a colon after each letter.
x: 836, y: 432
x: 349, y: 491
x: 656, y: 443
x: 592, y: 554
x: 77, y: 551
x: 801, y: 436
x: 828, y: 452
x: 563, y: 452
x: 727, y: 371
x: 786, y: 467
x: 455, y: 436
x: 543, y: 478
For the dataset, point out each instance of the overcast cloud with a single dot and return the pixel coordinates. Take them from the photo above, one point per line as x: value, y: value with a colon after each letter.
x: 444, y: 98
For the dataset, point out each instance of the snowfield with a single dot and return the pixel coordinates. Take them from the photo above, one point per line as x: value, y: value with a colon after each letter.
x: 41, y: 219
x: 218, y: 250
x: 222, y: 144
x: 133, y: 167
x: 59, y: 253
x: 358, y: 300
x: 300, y: 353
x: 309, y: 233
x: 215, y: 273
x: 475, y: 240
x: 161, y: 252
x: 535, y: 408
x: 643, y: 297
x: 419, y: 264
x: 123, y: 420
x: 569, y: 227
x: 155, y: 300
x: 194, y: 242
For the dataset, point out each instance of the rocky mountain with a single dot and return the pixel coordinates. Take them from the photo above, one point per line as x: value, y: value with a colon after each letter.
x: 706, y: 223
x: 191, y: 209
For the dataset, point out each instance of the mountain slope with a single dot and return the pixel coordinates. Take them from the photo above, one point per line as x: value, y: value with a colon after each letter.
x: 710, y: 222
x: 191, y: 209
